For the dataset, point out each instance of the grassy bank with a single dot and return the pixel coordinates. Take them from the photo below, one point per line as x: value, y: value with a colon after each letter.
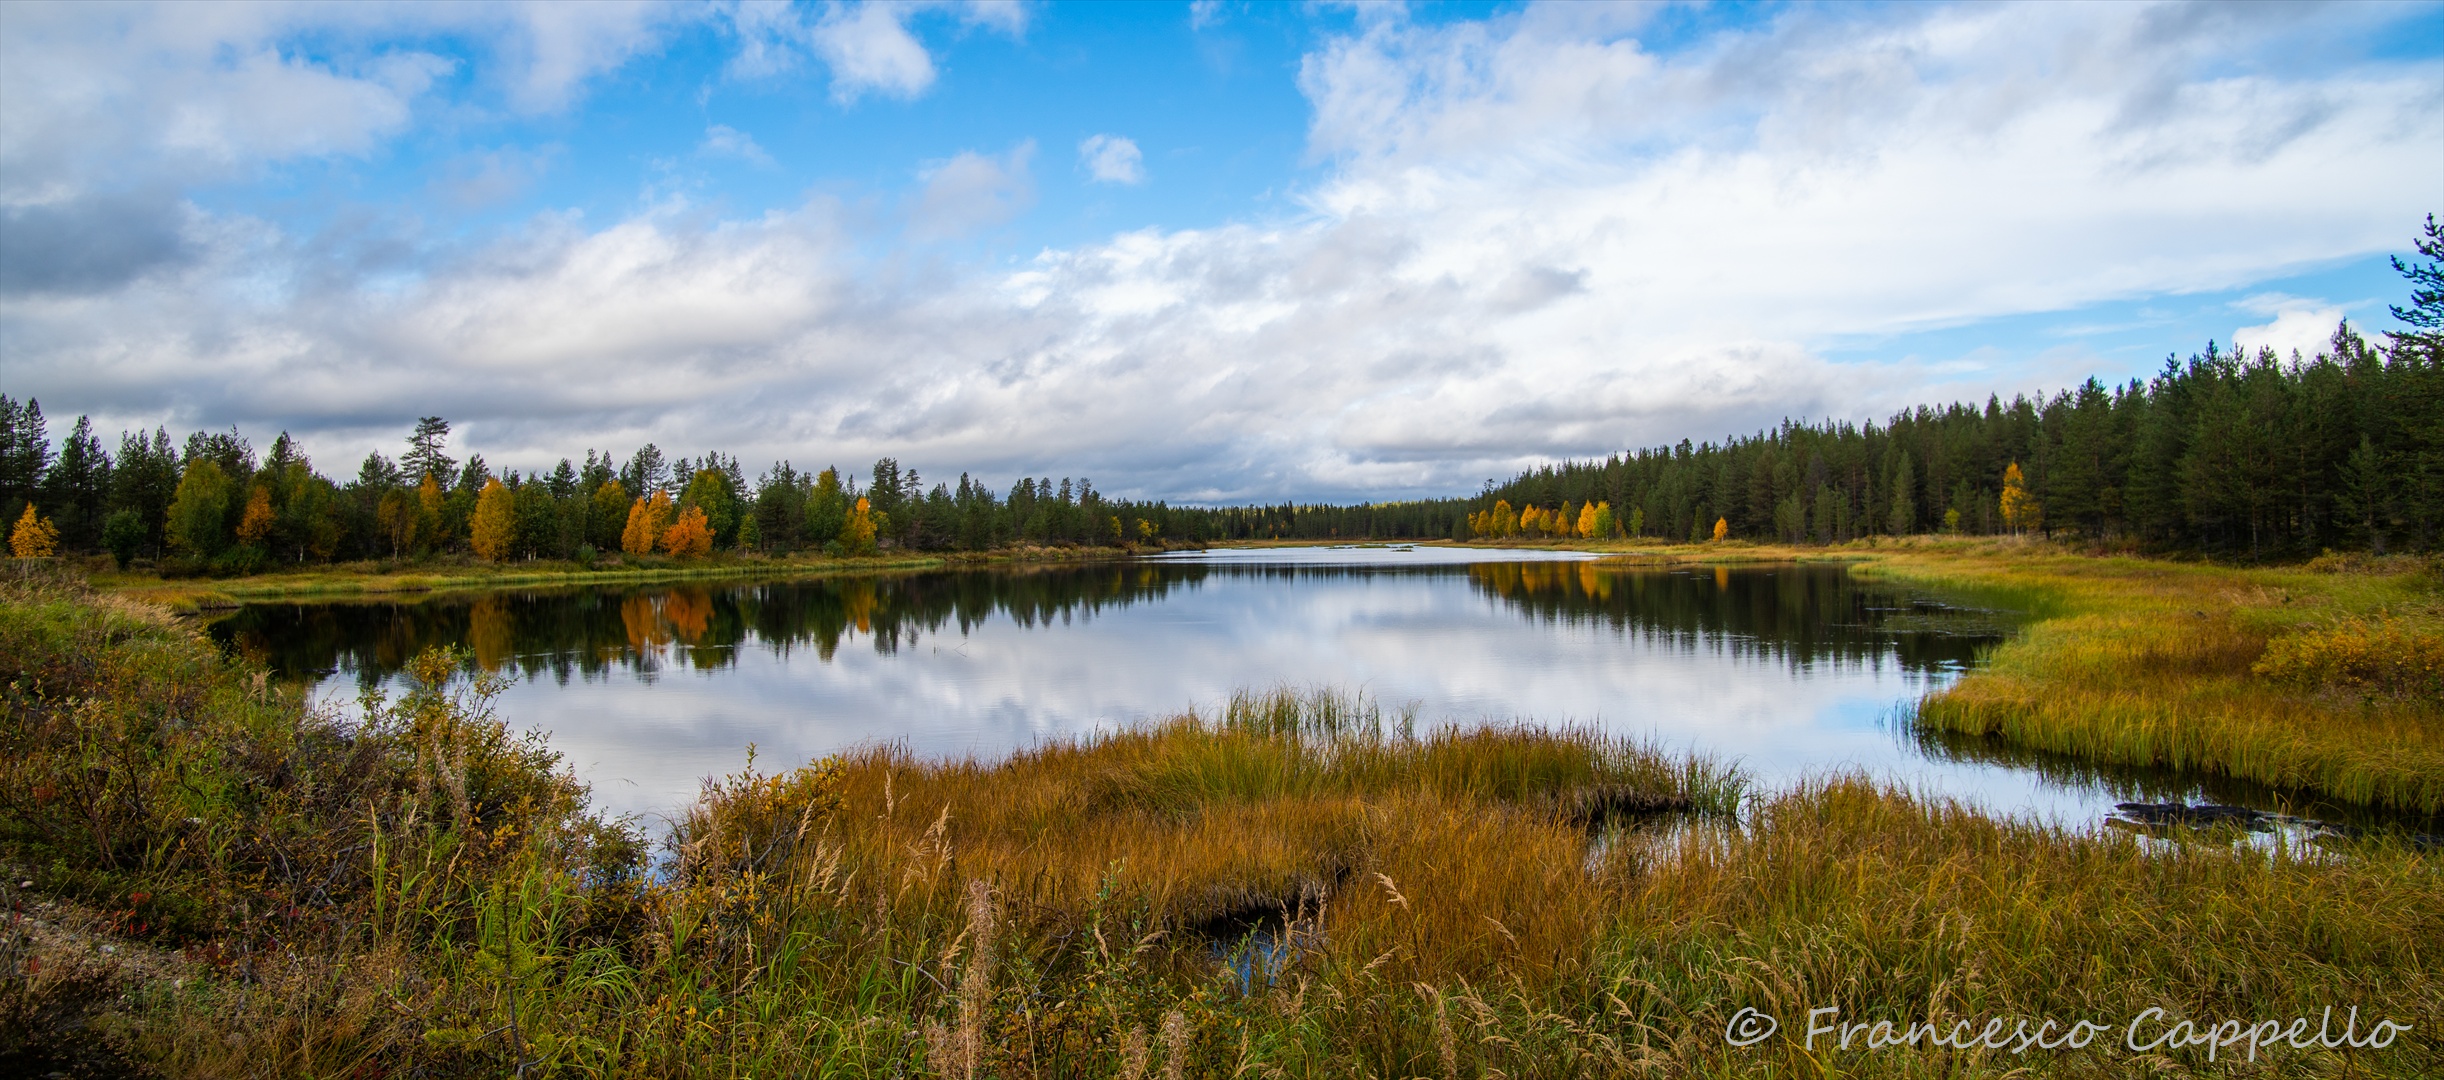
x: 1292, y: 885
x: 2321, y: 685
x: 2324, y: 681
x: 460, y: 574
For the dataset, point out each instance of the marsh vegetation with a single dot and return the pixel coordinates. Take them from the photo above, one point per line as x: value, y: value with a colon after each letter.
x: 1292, y: 883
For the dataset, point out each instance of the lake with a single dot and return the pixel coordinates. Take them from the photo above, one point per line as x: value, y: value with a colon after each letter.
x: 648, y: 689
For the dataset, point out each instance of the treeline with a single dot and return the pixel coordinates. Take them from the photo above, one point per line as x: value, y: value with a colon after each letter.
x: 211, y: 503
x: 2257, y: 456
x: 2223, y: 454
x: 2240, y: 456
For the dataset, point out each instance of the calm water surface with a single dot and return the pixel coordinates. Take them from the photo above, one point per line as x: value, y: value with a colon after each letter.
x: 1791, y: 670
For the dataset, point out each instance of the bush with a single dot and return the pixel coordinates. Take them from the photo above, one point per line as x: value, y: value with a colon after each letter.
x: 123, y: 536
x: 2386, y: 655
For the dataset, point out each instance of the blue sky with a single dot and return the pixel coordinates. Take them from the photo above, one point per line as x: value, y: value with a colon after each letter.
x: 1205, y: 252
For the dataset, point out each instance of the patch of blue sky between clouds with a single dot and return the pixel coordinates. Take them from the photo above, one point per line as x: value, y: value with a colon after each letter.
x: 2123, y: 339
x: 1214, y: 110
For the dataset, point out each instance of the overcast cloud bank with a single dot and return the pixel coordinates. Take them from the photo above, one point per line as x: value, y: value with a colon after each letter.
x: 1533, y: 237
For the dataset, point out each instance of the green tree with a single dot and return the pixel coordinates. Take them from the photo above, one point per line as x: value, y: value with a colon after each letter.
x: 77, y: 487
x: 827, y: 508
x: 198, y: 514
x: 2426, y: 311
x: 25, y: 454
x: 143, y: 479
x: 123, y: 536
x: 1902, y: 519
x: 607, y: 516
x: 424, y: 455
x: 710, y: 491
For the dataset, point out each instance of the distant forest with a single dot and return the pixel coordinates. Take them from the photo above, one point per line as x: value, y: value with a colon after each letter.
x: 2227, y: 455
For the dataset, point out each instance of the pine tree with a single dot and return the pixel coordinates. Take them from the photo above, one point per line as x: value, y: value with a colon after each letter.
x: 424, y: 455
x: 1903, y: 518
x: 25, y: 453
x: 2426, y: 310
x: 143, y: 479
x: 77, y: 487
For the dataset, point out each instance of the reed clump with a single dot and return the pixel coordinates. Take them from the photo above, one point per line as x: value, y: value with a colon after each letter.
x: 1297, y: 884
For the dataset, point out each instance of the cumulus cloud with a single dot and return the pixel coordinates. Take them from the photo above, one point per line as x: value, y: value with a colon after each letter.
x: 2299, y: 324
x: 1111, y: 159
x: 867, y: 45
x: 1534, y: 236
x: 869, y: 48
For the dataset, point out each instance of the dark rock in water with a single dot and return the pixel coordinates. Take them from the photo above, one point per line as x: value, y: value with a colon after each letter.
x: 2199, y: 816
x: 1607, y: 803
x: 2205, y: 815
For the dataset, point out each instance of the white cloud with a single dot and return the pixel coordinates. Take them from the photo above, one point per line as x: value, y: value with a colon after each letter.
x: 191, y: 93
x: 2301, y: 325
x: 562, y: 45
x: 1111, y: 159
x: 867, y: 45
x: 722, y: 140
x: 973, y: 191
x: 1535, y: 237
x: 868, y: 48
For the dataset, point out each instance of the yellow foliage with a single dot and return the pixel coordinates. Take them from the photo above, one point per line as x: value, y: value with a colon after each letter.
x: 2020, y: 509
x: 256, y: 526
x: 2385, y: 655
x: 1722, y: 528
x: 858, y: 535
x: 689, y: 537
x: 645, y: 521
x: 1587, y: 520
x: 34, y: 537
x: 495, y: 527
x: 428, y: 496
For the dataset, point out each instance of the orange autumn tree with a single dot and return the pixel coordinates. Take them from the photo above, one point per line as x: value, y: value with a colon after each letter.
x: 34, y: 537
x: 495, y: 527
x: 691, y: 536
x: 1595, y: 520
x: 646, y: 518
x: 1722, y: 527
x: 255, y: 526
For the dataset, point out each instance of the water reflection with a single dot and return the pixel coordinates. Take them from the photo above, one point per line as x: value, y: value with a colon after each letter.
x: 1789, y: 669
x: 1798, y: 616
